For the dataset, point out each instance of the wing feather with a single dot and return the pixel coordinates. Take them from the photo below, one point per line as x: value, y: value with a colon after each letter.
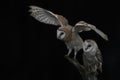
x: 47, y: 17
x: 84, y: 26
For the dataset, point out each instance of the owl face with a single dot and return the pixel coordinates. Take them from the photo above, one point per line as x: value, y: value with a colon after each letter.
x: 61, y: 34
x: 64, y: 33
x: 89, y: 46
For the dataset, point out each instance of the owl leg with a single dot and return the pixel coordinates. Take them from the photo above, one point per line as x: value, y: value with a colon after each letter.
x: 70, y: 50
x: 75, y: 53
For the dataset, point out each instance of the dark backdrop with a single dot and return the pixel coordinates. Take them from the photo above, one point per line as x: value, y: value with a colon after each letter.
x: 30, y: 50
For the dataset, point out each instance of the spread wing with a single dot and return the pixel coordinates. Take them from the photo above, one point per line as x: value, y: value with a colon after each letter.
x: 47, y: 17
x: 83, y: 26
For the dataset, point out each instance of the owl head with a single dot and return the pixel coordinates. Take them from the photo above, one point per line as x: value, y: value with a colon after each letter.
x: 64, y: 33
x: 89, y: 46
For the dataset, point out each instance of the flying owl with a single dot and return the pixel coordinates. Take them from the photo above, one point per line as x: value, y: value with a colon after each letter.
x: 92, y: 58
x: 65, y: 32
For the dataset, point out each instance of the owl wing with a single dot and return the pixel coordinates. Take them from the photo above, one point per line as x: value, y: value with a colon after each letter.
x: 83, y: 26
x: 100, y: 59
x: 47, y: 17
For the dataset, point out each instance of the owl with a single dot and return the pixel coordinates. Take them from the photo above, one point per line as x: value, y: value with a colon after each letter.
x: 65, y: 32
x: 92, y: 58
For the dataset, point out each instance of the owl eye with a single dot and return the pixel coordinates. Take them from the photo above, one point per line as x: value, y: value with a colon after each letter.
x: 89, y: 45
x: 61, y: 33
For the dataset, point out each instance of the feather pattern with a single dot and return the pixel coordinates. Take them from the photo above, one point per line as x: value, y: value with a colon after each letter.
x: 47, y: 17
x: 84, y: 26
x: 92, y: 57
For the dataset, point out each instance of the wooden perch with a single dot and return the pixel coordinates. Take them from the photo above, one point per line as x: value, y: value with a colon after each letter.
x: 76, y: 64
x: 85, y: 75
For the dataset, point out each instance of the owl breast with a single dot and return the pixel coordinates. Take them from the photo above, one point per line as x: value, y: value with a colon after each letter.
x: 75, y: 42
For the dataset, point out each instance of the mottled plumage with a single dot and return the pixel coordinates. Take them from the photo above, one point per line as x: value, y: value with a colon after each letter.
x: 92, y: 58
x: 65, y: 32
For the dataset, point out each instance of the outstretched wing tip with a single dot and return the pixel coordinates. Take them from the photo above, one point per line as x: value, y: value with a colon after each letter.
x: 106, y: 38
x: 43, y: 15
x: 31, y: 8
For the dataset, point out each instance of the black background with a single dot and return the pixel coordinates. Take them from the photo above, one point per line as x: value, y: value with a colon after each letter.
x: 30, y: 50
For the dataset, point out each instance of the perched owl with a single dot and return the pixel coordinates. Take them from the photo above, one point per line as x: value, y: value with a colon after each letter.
x: 92, y: 58
x: 65, y: 32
